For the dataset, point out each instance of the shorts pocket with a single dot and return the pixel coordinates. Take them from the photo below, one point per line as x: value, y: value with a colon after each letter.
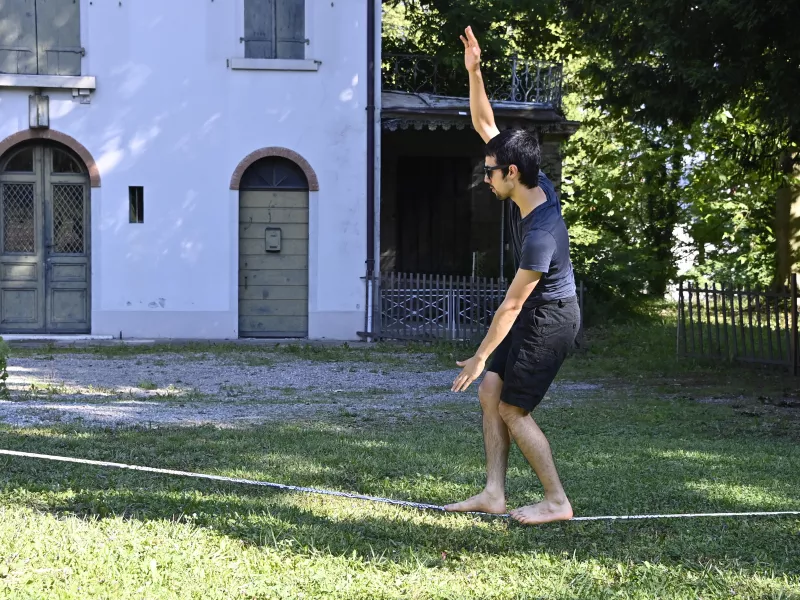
x: 538, y: 321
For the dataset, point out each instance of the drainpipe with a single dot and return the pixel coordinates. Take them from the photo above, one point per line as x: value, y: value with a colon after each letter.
x: 370, y: 165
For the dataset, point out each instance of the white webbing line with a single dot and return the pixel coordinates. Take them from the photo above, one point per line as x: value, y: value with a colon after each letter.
x: 308, y: 490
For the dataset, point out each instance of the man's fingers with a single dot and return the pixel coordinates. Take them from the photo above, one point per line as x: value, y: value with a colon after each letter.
x: 463, y: 39
x: 471, y: 36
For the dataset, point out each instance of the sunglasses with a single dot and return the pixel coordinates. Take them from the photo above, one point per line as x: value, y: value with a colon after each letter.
x: 487, y: 170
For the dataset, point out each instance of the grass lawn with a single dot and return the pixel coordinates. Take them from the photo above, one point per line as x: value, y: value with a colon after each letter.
x: 660, y: 436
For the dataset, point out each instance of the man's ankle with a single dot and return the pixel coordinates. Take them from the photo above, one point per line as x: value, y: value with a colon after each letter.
x: 557, y: 498
x: 494, y: 491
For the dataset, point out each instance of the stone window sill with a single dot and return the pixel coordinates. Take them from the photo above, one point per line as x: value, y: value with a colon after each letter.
x: 72, y: 82
x: 273, y: 64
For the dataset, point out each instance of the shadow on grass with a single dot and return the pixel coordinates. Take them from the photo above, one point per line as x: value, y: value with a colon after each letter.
x: 629, y: 459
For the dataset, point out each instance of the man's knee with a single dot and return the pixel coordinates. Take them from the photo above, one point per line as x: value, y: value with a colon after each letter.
x: 511, y: 413
x: 489, y: 390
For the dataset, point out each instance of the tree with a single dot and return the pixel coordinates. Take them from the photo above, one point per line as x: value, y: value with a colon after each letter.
x: 504, y: 27
x: 622, y: 201
x: 674, y: 63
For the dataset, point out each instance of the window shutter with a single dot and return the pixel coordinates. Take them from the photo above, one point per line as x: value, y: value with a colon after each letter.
x: 259, y: 28
x: 291, y: 28
x: 18, y: 37
x: 58, y: 32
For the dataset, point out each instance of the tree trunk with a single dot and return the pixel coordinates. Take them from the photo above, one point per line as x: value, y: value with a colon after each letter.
x: 787, y: 218
x: 662, y: 218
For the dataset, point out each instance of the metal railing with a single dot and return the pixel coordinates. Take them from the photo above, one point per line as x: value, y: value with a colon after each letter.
x: 517, y: 80
x: 417, y: 306
x: 412, y: 306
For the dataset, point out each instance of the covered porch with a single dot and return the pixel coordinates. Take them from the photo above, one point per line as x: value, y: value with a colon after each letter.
x: 445, y: 256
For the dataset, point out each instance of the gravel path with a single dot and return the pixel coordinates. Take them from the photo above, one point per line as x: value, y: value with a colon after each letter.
x: 229, y: 391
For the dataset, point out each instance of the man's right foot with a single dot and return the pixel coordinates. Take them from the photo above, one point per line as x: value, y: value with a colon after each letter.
x: 483, y: 502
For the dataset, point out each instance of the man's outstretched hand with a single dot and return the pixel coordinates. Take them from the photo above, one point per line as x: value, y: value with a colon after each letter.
x: 472, y: 369
x: 472, y: 51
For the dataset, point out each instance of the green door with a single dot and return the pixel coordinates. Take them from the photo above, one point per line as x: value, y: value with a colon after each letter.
x: 273, y: 250
x: 44, y: 241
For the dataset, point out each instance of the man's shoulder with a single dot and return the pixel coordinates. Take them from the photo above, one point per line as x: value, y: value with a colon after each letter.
x: 538, y: 234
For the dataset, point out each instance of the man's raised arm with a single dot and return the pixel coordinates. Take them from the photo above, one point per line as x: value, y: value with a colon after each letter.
x: 480, y: 109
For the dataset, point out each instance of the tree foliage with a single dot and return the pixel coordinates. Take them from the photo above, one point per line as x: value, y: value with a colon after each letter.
x: 504, y: 27
x: 677, y: 61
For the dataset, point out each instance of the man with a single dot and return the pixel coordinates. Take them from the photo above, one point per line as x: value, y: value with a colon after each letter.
x: 535, y: 326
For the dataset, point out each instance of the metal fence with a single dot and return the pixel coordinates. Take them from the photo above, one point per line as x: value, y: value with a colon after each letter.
x: 418, y: 306
x: 412, y: 306
x: 751, y: 325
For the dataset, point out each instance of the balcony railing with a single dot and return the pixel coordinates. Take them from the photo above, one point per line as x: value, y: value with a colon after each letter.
x: 517, y: 80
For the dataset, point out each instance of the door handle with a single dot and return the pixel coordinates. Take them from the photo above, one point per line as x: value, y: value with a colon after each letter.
x: 245, y: 282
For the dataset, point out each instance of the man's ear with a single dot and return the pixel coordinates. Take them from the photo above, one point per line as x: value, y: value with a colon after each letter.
x: 512, y: 170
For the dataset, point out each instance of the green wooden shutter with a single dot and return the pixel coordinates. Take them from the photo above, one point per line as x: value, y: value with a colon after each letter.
x: 259, y: 28
x: 291, y: 28
x: 58, y: 33
x: 18, y: 37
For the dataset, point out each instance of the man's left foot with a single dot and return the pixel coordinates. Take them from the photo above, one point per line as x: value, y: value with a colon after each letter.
x: 544, y: 512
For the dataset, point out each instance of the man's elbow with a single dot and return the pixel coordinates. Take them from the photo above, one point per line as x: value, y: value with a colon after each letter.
x: 512, y: 305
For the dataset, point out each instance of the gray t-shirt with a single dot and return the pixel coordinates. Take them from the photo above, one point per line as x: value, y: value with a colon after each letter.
x: 541, y: 243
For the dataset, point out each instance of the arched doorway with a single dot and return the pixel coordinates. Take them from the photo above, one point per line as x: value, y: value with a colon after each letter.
x: 44, y: 240
x: 273, y: 249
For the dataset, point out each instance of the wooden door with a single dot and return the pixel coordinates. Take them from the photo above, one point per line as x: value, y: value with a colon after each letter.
x: 273, y: 263
x: 44, y: 242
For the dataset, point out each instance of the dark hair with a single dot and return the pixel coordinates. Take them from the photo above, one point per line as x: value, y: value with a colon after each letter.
x: 517, y: 147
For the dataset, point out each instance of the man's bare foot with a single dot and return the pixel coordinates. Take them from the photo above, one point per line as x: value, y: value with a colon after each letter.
x: 483, y: 502
x: 543, y: 512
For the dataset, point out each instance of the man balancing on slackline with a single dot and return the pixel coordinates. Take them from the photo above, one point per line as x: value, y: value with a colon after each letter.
x: 536, y: 325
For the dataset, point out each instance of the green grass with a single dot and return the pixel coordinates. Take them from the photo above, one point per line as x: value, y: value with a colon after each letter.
x: 640, y: 444
x: 374, y: 353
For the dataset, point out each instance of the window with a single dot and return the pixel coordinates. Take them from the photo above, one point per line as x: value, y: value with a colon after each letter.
x: 274, y: 173
x: 40, y: 37
x: 64, y: 163
x: 274, y: 29
x: 21, y: 162
x: 136, y: 202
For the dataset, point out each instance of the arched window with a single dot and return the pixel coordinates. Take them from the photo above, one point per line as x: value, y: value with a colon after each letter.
x: 274, y: 173
x: 20, y: 161
x: 65, y: 162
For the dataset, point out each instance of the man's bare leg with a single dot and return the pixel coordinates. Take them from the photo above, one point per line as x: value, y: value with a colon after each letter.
x: 536, y: 449
x: 496, y: 442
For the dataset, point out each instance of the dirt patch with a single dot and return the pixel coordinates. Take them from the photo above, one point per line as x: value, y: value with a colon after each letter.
x: 175, y: 389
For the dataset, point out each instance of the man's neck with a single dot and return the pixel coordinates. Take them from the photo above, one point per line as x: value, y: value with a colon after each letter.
x: 528, y: 199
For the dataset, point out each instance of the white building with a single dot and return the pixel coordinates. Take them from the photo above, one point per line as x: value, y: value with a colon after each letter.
x: 186, y: 168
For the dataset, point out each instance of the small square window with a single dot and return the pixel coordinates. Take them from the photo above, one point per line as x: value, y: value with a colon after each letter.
x: 136, y: 201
